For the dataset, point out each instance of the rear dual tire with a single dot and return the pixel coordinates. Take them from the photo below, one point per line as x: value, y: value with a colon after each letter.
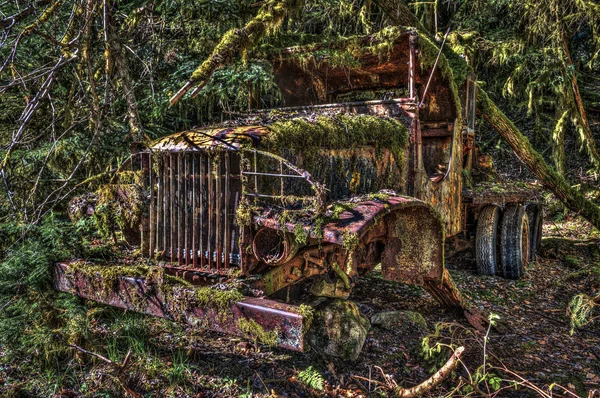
x: 514, y: 242
x: 504, y: 241
x: 486, y: 240
x: 535, y: 212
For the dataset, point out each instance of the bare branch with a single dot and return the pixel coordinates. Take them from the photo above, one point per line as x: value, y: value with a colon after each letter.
x: 435, y: 379
x: 8, y: 22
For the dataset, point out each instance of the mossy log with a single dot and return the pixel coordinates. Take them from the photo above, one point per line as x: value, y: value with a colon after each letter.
x: 550, y: 179
x: 268, y: 19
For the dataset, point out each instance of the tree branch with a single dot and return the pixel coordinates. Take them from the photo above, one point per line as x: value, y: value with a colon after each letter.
x: 435, y: 379
x: 8, y: 22
x: 268, y: 18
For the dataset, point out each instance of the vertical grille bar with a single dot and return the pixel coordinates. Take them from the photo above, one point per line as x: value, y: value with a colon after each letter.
x: 226, y: 223
x: 189, y: 209
x: 211, y: 210
x: 171, y: 206
x: 202, y: 226
x: 164, y: 204
x: 255, y: 177
x: 186, y: 210
x: 152, y: 207
x: 219, y: 212
x: 160, y: 193
x: 234, y: 227
x: 179, y: 209
x: 194, y: 213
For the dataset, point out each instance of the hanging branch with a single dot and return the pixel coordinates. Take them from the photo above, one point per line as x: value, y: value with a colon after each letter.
x: 399, y: 14
x: 48, y: 12
x: 269, y: 18
x: 41, y: 19
x: 31, y: 107
x: 587, y: 139
x: 558, y: 143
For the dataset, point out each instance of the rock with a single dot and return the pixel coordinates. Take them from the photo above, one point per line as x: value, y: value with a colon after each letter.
x: 335, y: 289
x: 399, y: 320
x: 338, y: 329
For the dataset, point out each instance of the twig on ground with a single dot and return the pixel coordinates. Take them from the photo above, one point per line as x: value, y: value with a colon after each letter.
x: 119, y: 367
x: 434, y: 380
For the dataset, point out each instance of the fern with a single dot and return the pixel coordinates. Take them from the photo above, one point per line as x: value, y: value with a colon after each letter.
x: 312, y: 378
x: 580, y: 311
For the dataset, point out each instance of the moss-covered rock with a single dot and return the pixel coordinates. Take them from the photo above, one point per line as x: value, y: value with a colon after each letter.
x: 398, y: 320
x: 338, y: 329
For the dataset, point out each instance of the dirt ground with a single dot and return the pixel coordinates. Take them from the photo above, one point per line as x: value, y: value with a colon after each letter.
x: 535, y: 345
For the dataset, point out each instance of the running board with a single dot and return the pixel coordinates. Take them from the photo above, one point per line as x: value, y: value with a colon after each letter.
x: 279, y: 323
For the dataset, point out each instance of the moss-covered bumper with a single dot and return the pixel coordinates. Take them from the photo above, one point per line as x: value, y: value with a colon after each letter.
x: 267, y: 321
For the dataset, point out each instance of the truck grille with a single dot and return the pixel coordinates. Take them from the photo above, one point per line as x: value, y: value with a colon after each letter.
x: 193, y: 200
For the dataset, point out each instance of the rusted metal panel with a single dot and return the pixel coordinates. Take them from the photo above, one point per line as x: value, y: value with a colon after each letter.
x: 501, y: 193
x: 132, y: 293
x: 209, y: 138
x: 414, y: 247
x: 355, y: 221
x: 320, y: 82
x: 397, y: 107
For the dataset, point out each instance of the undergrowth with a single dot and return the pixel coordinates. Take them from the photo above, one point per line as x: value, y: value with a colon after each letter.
x: 39, y: 326
x: 312, y: 378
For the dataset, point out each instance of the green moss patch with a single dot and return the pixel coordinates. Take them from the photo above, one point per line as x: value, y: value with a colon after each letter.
x: 119, y: 205
x: 351, y: 154
x: 256, y: 332
x: 178, y: 294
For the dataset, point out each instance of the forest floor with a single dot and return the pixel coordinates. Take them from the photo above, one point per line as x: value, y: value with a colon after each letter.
x: 535, y: 346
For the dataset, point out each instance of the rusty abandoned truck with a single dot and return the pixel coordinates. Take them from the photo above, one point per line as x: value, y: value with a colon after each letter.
x: 364, y: 163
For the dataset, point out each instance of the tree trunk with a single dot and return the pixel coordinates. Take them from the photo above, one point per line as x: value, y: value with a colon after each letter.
x: 574, y: 200
x: 115, y: 61
x: 550, y: 179
x: 587, y: 139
